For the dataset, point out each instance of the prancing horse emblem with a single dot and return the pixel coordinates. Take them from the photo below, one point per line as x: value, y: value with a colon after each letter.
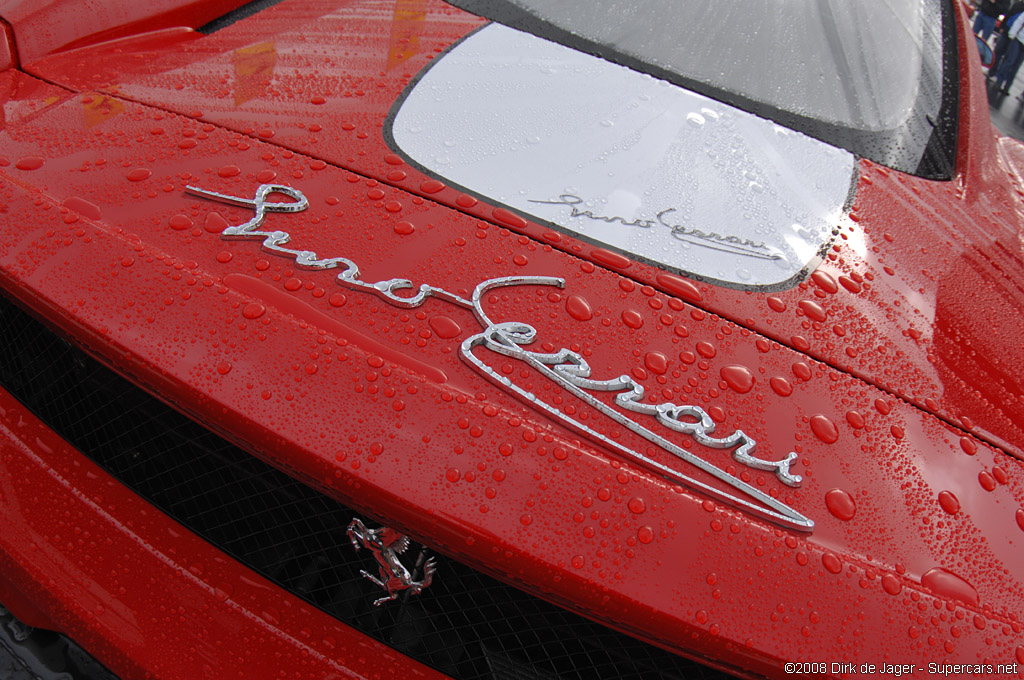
x: 386, y: 544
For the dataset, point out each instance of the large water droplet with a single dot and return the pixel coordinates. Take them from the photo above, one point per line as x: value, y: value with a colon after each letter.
x: 579, y: 308
x: 632, y: 318
x: 824, y: 429
x: 740, y: 378
x: 656, y: 362
x: 949, y: 502
x: 444, y: 326
x: 30, y: 163
x: 841, y: 504
x: 948, y: 585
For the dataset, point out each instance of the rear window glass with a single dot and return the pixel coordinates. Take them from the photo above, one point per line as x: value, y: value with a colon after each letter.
x: 876, y: 77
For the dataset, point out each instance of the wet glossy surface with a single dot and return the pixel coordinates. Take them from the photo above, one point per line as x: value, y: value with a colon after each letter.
x: 918, y: 538
x: 187, y: 321
x: 904, y: 266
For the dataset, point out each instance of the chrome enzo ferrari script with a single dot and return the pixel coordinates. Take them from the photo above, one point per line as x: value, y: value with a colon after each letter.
x: 386, y: 544
x: 568, y: 369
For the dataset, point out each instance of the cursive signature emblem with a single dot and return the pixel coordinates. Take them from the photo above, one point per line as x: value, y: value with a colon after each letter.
x: 706, y: 239
x: 386, y: 544
x: 566, y: 368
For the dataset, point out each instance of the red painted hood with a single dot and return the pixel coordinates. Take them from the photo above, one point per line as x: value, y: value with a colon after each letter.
x: 900, y: 302
x: 879, y: 372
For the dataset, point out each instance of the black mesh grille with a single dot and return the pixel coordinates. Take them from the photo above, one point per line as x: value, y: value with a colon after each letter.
x: 466, y: 624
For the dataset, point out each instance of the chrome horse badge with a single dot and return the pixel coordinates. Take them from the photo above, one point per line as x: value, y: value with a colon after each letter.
x: 386, y: 544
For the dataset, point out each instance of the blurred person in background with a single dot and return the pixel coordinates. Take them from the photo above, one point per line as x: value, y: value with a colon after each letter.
x: 1012, y: 56
x: 988, y: 13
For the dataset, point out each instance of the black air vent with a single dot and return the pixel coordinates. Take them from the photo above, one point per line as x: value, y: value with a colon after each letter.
x: 466, y: 624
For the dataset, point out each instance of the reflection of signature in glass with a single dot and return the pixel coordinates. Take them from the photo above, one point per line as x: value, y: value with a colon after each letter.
x: 706, y: 239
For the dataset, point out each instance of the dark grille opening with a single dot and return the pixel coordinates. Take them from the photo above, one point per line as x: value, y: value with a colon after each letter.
x: 465, y: 624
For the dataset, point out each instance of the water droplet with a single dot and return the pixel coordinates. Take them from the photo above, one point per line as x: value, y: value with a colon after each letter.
x: 228, y: 171
x: 253, y: 310
x: 224, y: 367
x: 831, y: 563
x: 813, y: 310
x: 739, y: 378
x: 680, y: 287
x: 706, y: 350
x: 841, y: 504
x: 824, y: 281
x: 632, y: 318
x: 215, y: 224
x: 645, y: 534
x: 30, y: 163
x: 404, y: 228
x: 824, y: 429
x: 139, y: 174
x: 849, y: 284
x: 579, y: 308
x: 855, y: 419
x: 82, y: 207
x: 781, y: 386
x: 949, y: 502
x: 509, y: 218
x: 891, y: 584
x: 656, y: 362
x: 610, y: 259
x: 695, y: 119
x: 948, y: 585
x: 180, y: 222
x: 444, y: 326
x: 431, y: 186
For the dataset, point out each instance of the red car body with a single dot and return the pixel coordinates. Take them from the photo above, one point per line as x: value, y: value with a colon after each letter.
x: 892, y: 370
